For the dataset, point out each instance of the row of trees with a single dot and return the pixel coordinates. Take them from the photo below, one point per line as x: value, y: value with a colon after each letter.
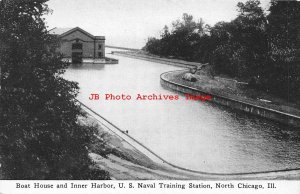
x: 257, y: 47
x: 40, y: 137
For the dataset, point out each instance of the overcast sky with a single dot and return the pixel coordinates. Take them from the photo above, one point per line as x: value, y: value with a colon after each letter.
x: 129, y: 23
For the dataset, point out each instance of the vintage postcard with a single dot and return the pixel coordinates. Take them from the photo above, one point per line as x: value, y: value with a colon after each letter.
x: 137, y: 96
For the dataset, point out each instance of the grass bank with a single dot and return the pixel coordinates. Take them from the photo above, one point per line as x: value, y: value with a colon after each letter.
x: 241, y: 93
x: 124, y: 161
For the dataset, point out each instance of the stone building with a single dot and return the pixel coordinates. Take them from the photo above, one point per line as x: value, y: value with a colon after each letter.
x: 78, y: 45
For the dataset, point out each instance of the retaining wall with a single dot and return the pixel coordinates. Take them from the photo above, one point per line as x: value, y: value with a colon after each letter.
x: 233, y: 103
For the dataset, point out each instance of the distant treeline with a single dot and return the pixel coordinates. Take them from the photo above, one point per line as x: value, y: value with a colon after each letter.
x: 258, y: 47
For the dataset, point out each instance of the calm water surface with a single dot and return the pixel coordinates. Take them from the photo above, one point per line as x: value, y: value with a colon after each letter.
x: 195, y: 135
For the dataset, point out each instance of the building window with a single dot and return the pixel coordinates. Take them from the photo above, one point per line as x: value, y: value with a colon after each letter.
x: 100, y: 54
x: 77, y: 46
x: 99, y: 46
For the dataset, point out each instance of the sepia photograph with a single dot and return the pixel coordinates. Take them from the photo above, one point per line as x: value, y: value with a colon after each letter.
x: 178, y: 92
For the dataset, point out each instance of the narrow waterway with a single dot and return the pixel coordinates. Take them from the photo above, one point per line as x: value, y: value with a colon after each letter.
x: 191, y: 134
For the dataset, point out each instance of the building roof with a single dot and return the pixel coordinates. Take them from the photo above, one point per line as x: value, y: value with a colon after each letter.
x: 59, y: 31
x: 65, y: 31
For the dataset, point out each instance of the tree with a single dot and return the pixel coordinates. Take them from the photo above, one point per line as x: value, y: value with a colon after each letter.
x: 153, y: 46
x: 241, y: 45
x: 261, y: 49
x: 182, y: 41
x: 282, y: 75
x: 40, y: 137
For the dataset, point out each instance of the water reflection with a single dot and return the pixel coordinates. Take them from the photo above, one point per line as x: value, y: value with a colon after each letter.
x: 87, y: 66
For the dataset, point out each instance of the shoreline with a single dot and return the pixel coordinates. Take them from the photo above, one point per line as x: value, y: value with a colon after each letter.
x: 168, y: 82
x: 128, y: 159
x: 131, y: 161
x: 283, y: 114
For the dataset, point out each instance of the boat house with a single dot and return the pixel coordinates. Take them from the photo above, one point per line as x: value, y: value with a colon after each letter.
x: 79, y: 45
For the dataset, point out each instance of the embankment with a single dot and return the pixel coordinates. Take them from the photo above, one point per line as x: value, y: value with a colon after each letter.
x: 272, y: 112
x: 128, y: 159
x: 252, y: 108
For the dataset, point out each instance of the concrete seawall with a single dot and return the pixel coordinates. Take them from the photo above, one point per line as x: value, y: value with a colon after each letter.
x: 272, y: 114
x: 254, y: 109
